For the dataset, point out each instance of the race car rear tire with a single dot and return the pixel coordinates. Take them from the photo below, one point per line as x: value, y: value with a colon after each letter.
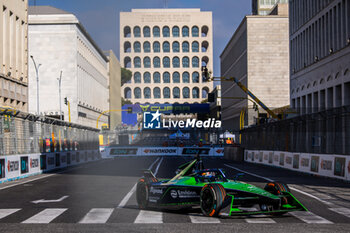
x: 142, y: 194
x: 211, y: 199
x: 276, y: 188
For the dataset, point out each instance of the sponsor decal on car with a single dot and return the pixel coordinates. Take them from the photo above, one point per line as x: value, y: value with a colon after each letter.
x: 154, y: 190
x: 173, y: 194
x: 183, y: 194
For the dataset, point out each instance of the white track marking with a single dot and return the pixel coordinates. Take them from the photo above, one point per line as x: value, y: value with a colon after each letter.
x: 292, y: 188
x: 202, y: 219
x: 149, y: 217
x: 47, y: 201
x: 257, y: 218
x: 97, y: 215
x: 309, y: 217
x: 45, y: 216
x: 7, y: 212
x: 342, y: 211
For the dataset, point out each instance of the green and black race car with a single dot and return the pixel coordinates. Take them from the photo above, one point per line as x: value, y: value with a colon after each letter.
x: 214, y: 193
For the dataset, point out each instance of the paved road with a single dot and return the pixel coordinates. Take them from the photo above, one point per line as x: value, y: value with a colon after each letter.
x: 100, y: 197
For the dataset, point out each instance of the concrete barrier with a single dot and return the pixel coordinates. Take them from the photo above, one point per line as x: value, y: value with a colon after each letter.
x: 234, y: 153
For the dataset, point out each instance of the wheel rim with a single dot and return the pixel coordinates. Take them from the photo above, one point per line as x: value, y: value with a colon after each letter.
x: 207, y: 200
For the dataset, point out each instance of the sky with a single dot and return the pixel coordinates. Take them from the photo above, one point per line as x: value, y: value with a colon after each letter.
x: 101, y: 18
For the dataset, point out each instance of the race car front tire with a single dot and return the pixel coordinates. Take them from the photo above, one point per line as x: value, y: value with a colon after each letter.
x: 211, y: 199
x: 276, y: 188
x: 142, y: 194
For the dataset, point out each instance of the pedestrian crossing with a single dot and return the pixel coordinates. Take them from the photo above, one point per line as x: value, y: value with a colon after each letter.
x: 103, y: 215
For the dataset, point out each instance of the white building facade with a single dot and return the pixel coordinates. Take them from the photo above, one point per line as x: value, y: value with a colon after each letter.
x: 59, y: 42
x: 165, y: 49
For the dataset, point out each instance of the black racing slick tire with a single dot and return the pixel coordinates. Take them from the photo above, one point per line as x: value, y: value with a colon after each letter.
x: 277, y: 189
x: 211, y: 199
x: 142, y: 194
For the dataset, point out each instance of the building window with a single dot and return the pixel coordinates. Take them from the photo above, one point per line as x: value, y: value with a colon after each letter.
x: 186, y: 77
x: 147, y: 47
x: 185, y: 31
x: 127, y: 93
x: 127, y: 32
x: 166, y: 93
x: 137, y: 77
x: 204, y: 30
x: 176, y: 77
x: 176, y: 47
x: 166, y: 47
x: 137, y: 93
x: 185, y: 47
x: 176, y: 31
x: 147, y: 93
x: 156, y: 77
x: 186, y: 93
x: 137, y: 47
x: 156, y: 47
x: 205, y: 92
x: 146, y: 77
x: 166, y: 31
x: 166, y: 77
x: 195, y: 77
x: 185, y: 62
x: 156, y: 93
x: 176, y: 62
x: 195, y: 93
x: 137, y: 62
x: 195, y: 46
x: 195, y: 31
x: 127, y: 62
x: 156, y: 62
x: 146, y: 32
x: 137, y: 31
x: 176, y: 93
x: 147, y: 62
x: 156, y: 31
x: 195, y: 62
x: 127, y: 47
x: 166, y: 62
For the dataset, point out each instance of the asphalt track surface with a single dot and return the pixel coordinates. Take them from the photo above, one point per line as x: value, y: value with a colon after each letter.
x: 100, y: 197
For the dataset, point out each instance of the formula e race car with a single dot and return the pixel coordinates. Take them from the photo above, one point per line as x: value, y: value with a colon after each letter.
x: 214, y: 193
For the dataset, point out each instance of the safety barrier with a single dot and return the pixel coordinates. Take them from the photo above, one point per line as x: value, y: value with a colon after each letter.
x: 334, y: 166
x: 115, y: 151
x: 14, y: 167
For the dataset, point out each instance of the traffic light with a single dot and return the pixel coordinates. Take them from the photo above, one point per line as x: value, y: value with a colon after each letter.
x: 205, y: 73
x: 129, y: 110
x: 65, y: 101
x: 211, y: 97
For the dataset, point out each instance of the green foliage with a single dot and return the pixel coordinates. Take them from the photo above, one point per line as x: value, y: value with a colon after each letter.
x: 124, y: 101
x: 126, y: 75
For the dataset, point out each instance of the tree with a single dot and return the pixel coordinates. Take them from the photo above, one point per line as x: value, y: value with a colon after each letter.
x: 126, y: 75
x: 124, y: 101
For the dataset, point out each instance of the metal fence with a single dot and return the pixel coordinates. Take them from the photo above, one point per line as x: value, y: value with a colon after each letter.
x: 325, y: 132
x: 22, y: 133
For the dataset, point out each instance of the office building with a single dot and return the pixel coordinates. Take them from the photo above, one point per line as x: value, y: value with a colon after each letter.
x: 264, y: 7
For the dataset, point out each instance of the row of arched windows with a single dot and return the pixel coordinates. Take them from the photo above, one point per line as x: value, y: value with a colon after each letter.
x: 175, y: 31
x: 175, y: 63
x: 165, y: 47
x: 166, y: 77
x: 176, y: 93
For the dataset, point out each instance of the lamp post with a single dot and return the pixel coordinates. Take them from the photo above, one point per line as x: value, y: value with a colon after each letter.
x: 59, y: 91
x: 37, y: 83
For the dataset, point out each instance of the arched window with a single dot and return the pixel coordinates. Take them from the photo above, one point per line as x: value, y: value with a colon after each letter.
x: 195, y: 46
x: 186, y: 92
x: 195, y: 62
x: 186, y: 77
x: 176, y: 93
x: 166, y: 31
x: 176, y: 62
x: 185, y: 47
x: 137, y: 77
x: 156, y: 93
x: 156, y: 31
x: 195, y: 31
x: 166, y: 93
x: 137, y: 93
x: 137, y: 62
x: 195, y: 77
x: 137, y: 47
x: 166, y: 77
x: 176, y: 31
x: 127, y: 47
x: 146, y: 32
x: 147, y: 93
x: 156, y: 77
x: 156, y: 47
x: 176, y: 47
x: 146, y: 47
x: 185, y: 62
x: 127, y: 93
x: 146, y: 77
x: 156, y: 62
x: 127, y: 62
x: 166, y: 47
x: 137, y: 31
x: 176, y: 77
x: 185, y: 31
x: 205, y: 92
x: 166, y: 62
x: 147, y: 62
x: 195, y: 93
x: 205, y: 30
x: 127, y: 31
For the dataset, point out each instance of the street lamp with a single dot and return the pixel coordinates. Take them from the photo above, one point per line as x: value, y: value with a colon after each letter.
x: 59, y: 90
x: 37, y: 83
